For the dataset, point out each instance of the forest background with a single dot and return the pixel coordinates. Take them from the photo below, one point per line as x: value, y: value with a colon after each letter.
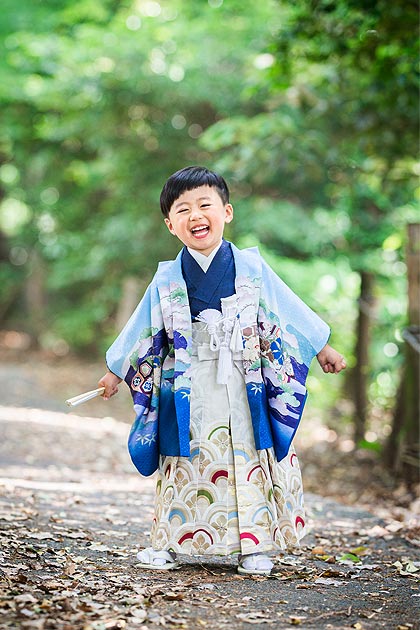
x: 308, y: 109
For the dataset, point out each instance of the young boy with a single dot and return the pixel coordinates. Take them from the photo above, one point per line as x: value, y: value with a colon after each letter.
x: 216, y: 356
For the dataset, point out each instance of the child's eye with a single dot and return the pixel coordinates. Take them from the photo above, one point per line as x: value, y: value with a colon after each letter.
x: 205, y: 205
x: 182, y: 210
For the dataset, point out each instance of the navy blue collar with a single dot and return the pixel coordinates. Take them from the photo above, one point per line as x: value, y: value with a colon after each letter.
x: 206, y: 288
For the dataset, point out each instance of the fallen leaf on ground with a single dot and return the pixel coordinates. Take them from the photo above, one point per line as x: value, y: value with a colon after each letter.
x: 42, y: 535
x: 317, y: 551
x: 328, y: 582
x: 394, y: 527
x: 139, y: 613
x: 409, y: 569
x: 349, y: 558
x: 254, y: 617
x: 296, y: 621
x: 378, y: 532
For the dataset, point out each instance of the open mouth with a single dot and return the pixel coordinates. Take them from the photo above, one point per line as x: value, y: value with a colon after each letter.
x: 201, y: 231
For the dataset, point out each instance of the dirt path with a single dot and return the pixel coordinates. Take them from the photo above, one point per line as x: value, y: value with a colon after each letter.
x: 73, y: 512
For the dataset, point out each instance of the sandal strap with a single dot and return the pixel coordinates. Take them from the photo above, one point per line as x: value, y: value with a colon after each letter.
x: 149, y: 555
x: 165, y: 555
x: 255, y: 561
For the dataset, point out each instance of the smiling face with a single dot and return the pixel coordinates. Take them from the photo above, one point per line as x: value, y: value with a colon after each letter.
x: 198, y: 218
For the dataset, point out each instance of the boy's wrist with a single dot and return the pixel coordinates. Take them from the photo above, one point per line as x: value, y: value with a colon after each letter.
x: 114, y: 375
x: 109, y: 378
x: 322, y: 350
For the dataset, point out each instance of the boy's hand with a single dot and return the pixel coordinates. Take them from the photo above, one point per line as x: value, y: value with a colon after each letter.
x: 110, y: 381
x: 330, y: 360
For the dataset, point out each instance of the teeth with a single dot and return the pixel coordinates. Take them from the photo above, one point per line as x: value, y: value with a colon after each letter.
x: 199, y: 229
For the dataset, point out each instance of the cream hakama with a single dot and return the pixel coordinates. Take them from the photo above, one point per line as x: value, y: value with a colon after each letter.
x: 227, y: 497
x: 215, y: 418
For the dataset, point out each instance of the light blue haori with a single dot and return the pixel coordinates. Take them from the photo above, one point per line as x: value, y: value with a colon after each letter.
x: 280, y: 337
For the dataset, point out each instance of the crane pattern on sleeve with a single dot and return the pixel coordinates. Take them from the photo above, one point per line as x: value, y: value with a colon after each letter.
x: 280, y: 335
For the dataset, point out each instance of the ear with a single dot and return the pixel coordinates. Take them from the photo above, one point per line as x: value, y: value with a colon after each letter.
x: 228, y: 213
x: 170, y: 226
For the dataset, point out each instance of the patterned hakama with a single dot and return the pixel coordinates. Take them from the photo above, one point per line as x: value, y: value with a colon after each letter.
x: 227, y: 497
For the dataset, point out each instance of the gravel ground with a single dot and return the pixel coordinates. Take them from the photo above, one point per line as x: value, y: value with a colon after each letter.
x: 73, y: 512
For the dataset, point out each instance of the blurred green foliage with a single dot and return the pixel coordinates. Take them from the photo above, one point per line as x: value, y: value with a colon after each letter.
x: 308, y: 109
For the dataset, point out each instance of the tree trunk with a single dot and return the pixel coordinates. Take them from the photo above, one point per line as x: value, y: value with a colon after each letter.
x: 36, y: 298
x: 131, y: 290
x: 402, y: 450
x: 361, y: 370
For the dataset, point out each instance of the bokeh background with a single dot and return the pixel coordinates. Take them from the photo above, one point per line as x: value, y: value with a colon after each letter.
x: 310, y: 112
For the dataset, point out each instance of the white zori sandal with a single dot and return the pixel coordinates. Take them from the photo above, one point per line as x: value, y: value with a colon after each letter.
x: 157, y: 560
x: 254, y: 564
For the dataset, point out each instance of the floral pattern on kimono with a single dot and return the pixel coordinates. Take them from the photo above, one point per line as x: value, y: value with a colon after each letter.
x: 280, y: 336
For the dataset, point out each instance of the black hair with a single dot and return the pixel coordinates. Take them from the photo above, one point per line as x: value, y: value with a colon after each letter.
x: 189, y: 178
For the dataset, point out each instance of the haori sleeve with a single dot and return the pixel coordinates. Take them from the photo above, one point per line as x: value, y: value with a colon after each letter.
x: 119, y: 353
x: 295, y: 316
x: 137, y: 356
x: 142, y: 342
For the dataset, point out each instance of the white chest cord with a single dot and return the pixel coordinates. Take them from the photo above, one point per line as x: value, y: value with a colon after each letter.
x: 231, y: 343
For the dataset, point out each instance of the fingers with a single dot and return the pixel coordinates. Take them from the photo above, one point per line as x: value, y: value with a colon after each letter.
x: 110, y: 390
x: 334, y: 367
x: 110, y: 381
x: 331, y: 361
x: 340, y: 365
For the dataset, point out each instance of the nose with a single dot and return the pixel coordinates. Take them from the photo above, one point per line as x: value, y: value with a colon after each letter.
x: 195, y: 213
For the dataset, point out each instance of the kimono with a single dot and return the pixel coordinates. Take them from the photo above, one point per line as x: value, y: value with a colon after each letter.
x: 272, y: 340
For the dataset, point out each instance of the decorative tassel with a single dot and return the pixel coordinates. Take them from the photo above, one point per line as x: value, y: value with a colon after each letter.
x: 224, y: 368
x: 236, y: 344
